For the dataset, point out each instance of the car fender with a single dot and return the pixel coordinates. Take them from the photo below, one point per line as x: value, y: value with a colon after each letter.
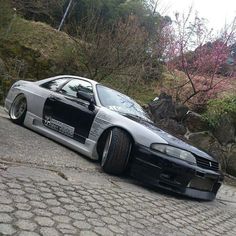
x: 106, y: 119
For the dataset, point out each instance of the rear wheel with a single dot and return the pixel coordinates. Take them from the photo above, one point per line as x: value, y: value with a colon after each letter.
x: 116, y: 151
x: 18, y: 109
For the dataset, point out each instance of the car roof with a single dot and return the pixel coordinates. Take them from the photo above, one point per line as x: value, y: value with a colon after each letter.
x: 66, y: 76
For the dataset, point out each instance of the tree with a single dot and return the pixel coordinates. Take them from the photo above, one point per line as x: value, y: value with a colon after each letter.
x: 49, y: 11
x: 117, y: 37
x: 106, y: 51
x: 193, y: 49
x: 111, y: 11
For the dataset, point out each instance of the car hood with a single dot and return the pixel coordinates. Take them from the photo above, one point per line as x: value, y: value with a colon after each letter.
x: 170, y: 139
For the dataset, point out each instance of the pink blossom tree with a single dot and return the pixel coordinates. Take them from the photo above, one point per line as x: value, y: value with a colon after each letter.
x: 193, y: 49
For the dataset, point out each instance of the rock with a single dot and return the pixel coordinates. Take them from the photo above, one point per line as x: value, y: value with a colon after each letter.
x: 225, y: 130
x: 172, y: 126
x: 194, y: 122
x: 219, y: 153
x: 181, y: 111
x: 206, y: 141
x: 231, y: 167
x: 202, y: 140
x: 163, y: 107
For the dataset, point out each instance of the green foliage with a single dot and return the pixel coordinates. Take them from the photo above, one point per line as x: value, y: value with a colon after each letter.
x: 142, y: 92
x: 46, y: 11
x: 41, y: 50
x: 108, y: 12
x: 216, y: 108
x: 6, y: 15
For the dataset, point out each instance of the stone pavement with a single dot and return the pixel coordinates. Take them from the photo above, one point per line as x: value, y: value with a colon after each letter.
x: 36, y: 201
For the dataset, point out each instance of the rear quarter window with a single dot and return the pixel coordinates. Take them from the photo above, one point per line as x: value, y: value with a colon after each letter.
x: 54, y: 84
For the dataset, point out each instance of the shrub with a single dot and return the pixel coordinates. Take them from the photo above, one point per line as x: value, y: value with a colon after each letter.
x: 6, y: 15
x: 216, y: 108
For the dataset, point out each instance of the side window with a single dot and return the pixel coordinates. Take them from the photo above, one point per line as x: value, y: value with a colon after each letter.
x: 75, y: 85
x: 54, y: 84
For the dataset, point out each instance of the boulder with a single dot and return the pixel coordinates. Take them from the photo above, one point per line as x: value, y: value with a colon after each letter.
x: 225, y: 130
x: 181, y: 111
x: 163, y: 107
x: 202, y: 140
x: 207, y: 142
x: 172, y: 126
x: 195, y: 122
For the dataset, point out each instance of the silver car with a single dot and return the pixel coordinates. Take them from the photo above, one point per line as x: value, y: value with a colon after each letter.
x: 108, y: 126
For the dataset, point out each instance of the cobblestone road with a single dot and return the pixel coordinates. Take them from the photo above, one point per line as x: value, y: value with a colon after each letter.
x: 50, y: 206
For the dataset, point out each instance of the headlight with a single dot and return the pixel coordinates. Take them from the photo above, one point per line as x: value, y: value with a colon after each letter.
x: 174, y: 152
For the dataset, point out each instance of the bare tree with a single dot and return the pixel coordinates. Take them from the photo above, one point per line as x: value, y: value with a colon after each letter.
x: 116, y: 50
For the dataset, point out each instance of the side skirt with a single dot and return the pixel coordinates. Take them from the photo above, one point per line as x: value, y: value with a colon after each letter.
x: 88, y: 148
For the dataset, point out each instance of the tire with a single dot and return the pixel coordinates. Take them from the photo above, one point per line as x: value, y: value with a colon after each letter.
x: 18, y: 109
x: 116, y: 151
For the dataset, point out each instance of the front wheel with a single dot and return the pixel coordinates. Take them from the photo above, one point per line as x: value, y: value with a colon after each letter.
x: 116, y: 151
x: 18, y: 109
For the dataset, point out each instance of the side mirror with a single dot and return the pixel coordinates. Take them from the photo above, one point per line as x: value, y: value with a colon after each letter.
x: 86, y: 97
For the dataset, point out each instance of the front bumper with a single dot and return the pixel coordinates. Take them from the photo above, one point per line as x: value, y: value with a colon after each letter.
x: 174, y: 174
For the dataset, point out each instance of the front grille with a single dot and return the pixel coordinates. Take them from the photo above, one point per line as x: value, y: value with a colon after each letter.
x: 206, y: 164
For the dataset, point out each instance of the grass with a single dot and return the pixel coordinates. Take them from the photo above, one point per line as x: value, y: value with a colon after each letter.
x: 142, y: 91
x: 40, y: 37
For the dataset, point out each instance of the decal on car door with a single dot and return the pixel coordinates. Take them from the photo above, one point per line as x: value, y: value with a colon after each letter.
x: 59, y: 126
x: 101, y: 122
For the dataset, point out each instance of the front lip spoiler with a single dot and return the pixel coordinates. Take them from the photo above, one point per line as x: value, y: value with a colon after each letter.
x: 174, y: 174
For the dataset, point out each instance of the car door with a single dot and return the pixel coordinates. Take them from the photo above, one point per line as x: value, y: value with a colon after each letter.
x: 65, y: 113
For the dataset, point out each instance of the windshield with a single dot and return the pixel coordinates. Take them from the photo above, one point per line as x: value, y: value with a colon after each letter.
x: 119, y: 102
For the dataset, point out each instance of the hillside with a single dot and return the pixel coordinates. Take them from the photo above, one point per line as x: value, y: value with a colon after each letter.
x: 34, y: 50
x: 40, y: 49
